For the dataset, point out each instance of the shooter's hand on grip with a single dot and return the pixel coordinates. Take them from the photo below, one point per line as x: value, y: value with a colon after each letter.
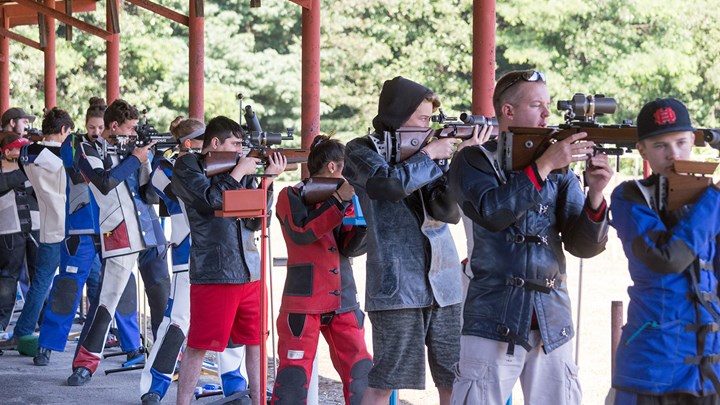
x: 441, y: 148
x: 562, y: 153
x: 481, y: 134
x: 244, y: 167
x: 597, y: 176
x: 143, y: 152
x: 277, y: 162
x: 345, y: 192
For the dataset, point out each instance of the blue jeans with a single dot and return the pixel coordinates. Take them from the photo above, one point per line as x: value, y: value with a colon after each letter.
x: 48, y: 260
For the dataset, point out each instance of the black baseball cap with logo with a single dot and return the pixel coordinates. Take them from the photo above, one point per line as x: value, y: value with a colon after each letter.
x: 15, y: 113
x: 661, y: 116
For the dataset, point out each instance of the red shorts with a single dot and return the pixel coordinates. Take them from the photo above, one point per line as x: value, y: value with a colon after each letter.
x: 219, y: 312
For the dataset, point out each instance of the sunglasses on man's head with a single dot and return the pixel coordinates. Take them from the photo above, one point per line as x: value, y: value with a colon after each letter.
x: 528, y: 76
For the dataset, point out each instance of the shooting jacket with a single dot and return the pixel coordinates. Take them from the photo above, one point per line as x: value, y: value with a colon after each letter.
x: 411, y: 257
x: 319, y: 274
x: 43, y: 166
x: 518, y: 265
x: 81, y: 207
x: 128, y: 223
x: 223, y: 249
x: 19, y: 210
x: 161, y: 179
x: 671, y: 341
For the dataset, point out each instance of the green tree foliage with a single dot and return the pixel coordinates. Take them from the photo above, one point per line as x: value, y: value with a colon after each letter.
x: 632, y: 50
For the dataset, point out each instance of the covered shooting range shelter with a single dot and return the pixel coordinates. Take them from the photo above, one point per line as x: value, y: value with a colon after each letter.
x: 45, y: 13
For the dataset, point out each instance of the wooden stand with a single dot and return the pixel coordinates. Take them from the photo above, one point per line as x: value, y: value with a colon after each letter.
x: 252, y: 203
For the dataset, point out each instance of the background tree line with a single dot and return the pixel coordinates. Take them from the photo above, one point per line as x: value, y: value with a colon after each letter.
x: 631, y: 50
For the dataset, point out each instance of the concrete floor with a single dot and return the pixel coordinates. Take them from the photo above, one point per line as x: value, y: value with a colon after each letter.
x: 22, y: 382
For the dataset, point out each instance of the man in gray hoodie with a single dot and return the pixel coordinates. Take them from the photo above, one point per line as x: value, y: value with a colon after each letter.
x: 413, y: 286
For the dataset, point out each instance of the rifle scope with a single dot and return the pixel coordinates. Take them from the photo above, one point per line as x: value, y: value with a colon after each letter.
x: 712, y: 137
x: 255, y: 139
x: 586, y: 107
x: 478, y: 119
x: 251, y: 119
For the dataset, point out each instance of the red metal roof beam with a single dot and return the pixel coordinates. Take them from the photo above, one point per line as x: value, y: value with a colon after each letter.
x: 60, y: 16
x: 17, y: 37
x: 162, y: 11
x: 18, y: 14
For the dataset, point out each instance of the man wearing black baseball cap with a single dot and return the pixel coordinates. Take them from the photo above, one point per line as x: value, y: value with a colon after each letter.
x: 664, y: 122
x: 671, y: 344
x: 16, y: 120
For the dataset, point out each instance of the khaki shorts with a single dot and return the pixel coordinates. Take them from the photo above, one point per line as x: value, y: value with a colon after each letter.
x: 486, y: 374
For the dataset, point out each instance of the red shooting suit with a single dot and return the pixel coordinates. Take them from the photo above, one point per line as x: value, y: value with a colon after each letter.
x: 319, y: 296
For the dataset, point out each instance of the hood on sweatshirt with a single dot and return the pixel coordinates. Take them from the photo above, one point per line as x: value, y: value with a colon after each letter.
x: 399, y: 99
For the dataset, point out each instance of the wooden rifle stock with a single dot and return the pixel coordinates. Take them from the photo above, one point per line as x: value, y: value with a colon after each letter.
x: 221, y: 162
x: 319, y: 189
x: 407, y: 141
x: 522, y: 146
x: 292, y: 155
x: 688, y: 182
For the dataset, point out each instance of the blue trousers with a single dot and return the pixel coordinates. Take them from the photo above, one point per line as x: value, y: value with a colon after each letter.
x: 48, y: 260
x: 78, y: 260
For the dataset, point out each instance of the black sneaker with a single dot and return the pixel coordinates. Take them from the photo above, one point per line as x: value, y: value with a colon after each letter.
x: 42, y: 358
x: 151, y: 398
x: 134, y: 354
x: 80, y: 376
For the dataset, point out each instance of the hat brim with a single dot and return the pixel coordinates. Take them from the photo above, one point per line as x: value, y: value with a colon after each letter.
x: 662, y: 131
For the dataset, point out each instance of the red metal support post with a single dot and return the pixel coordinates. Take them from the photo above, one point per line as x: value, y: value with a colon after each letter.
x: 483, y: 69
x: 49, y: 53
x: 4, y: 66
x: 310, y: 76
x: 197, y: 59
x: 112, y: 78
